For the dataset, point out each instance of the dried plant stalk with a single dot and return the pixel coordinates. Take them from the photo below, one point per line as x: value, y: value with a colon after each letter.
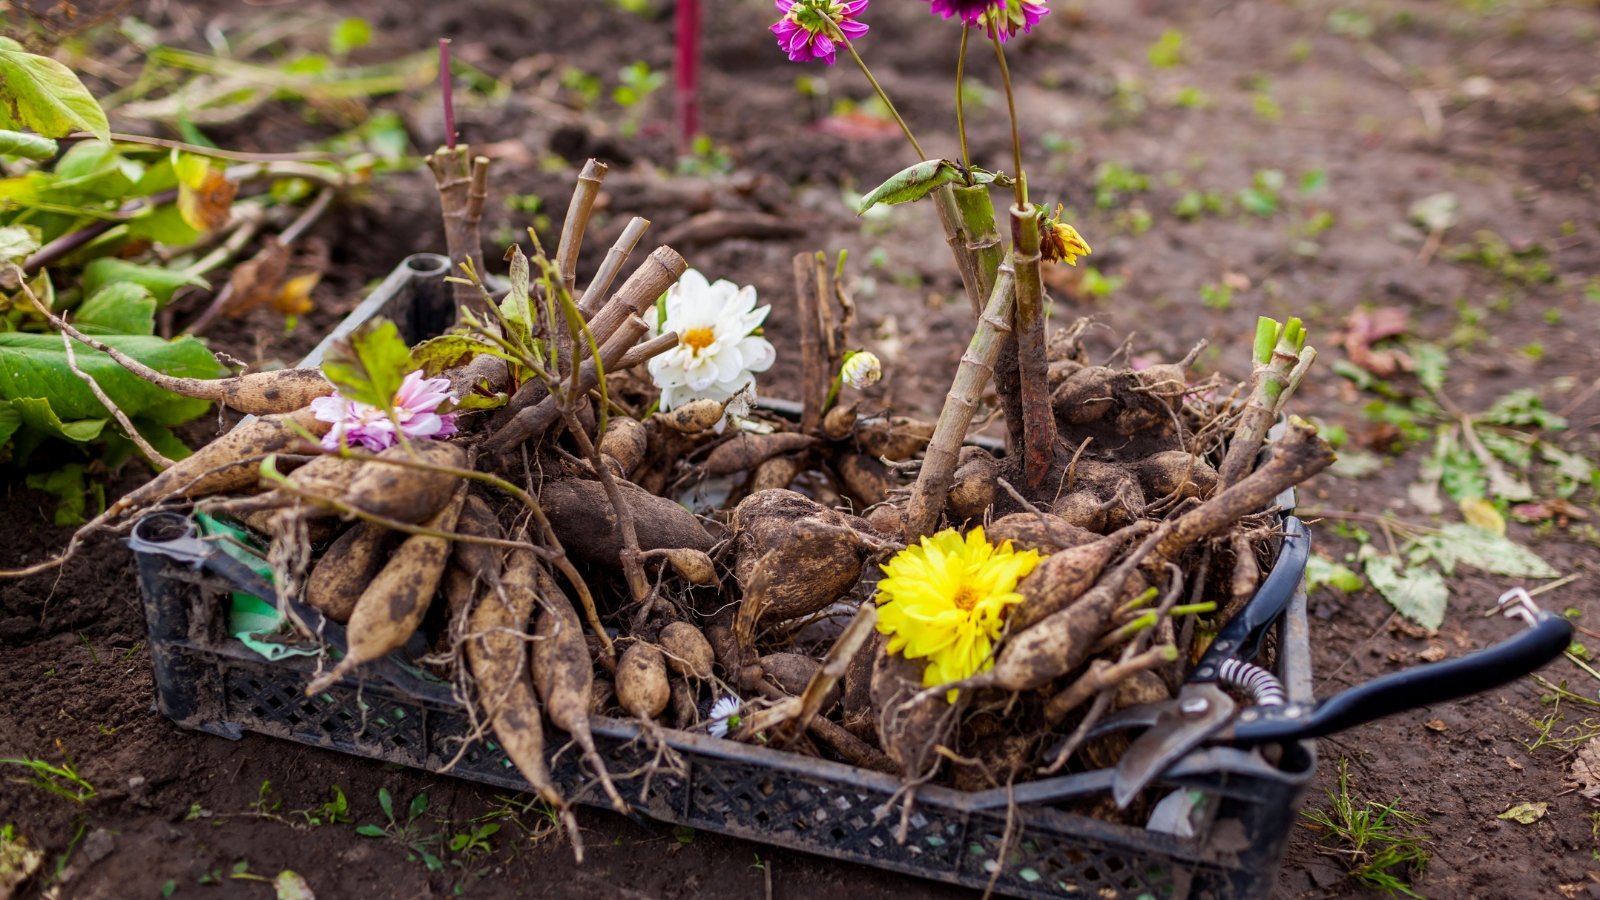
x: 621, y: 249
x: 463, y: 186
x: 813, y: 361
x: 577, y: 221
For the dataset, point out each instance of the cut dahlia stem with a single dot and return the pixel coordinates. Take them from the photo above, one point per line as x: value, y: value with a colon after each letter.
x: 1104, y: 675
x: 463, y: 185
x: 932, y: 489
x: 657, y: 273
x: 1276, y: 355
x: 621, y: 249
x: 958, y: 237
x: 1038, y: 415
x: 577, y: 221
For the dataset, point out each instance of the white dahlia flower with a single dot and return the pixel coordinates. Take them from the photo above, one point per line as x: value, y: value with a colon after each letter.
x: 716, y: 356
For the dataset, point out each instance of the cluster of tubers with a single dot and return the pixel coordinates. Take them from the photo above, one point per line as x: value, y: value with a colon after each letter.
x: 547, y: 559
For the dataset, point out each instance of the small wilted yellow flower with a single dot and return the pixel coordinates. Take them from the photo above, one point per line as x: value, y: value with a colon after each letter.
x: 945, y: 600
x: 1060, y: 242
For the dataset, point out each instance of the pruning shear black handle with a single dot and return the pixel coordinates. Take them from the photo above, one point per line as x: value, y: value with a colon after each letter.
x: 1547, y: 636
x: 1241, y: 637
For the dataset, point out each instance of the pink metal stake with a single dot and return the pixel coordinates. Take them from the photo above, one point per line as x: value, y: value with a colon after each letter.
x: 686, y: 72
x: 446, y: 90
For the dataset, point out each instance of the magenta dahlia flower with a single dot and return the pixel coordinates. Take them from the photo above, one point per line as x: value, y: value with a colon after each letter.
x: 416, y: 407
x: 1012, y: 16
x: 968, y: 11
x: 813, y: 29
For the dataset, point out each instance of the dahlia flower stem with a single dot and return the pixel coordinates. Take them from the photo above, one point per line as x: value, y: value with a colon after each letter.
x: 904, y: 128
x: 1020, y: 184
x: 932, y: 489
x: 1038, y: 413
x: 961, y: 118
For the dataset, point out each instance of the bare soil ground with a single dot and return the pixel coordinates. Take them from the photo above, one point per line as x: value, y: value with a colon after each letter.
x: 1365, y: 107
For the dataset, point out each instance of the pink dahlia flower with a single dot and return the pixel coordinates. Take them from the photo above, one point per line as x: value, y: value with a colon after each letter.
x: 813, y: 29
x: 416, y: 407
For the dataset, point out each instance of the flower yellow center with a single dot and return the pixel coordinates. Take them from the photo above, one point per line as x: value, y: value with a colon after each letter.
x: 967, y: 596
x: 699, y: 338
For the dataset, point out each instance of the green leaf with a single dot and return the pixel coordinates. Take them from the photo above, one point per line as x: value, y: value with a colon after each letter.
x: 348, y: 35
x: 18, y: 242
x: 912, y: 183
x: 38, y: 415
x: 67, y: 485
x: 1463, y: 544
x: 122, y: 308
x: 419, y: 805
x: 433, y: 863
x: 482, y: 401
x: 386, y: 803
x: 1432, y: 362
x: 1417, y: 593
x: 42, y: 95
x: 1321, y: 571
x: 290, y: 886
x: 163, y: 224
x: 35, y: 366
x: 10, y: 421
x: 372, y: 831
x: 158, y: 281
x: 369, y: 367
x: 448, y: 351
x: 26, y: 146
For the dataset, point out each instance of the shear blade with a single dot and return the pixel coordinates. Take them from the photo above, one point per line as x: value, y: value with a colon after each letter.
x: 1174, y: 735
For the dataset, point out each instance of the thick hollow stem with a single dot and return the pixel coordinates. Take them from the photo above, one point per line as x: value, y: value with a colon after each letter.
x: 463, y: 186
x: 1276, y: 354
x: 1038, y: 416
x: 621, y: 249
x: 977, y: 365
x: 577, y: 221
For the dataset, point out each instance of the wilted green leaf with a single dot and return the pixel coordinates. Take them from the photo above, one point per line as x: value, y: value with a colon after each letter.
x: 1321, y: 571
x: 1416, y: 592
x: 66, y: 484
x: 122, y: 308
x: 1355, y: 463
x: 1481, y: 514
x: 448, y: 351
x: 42, y: 95
x: 369, y: 367
x: 27, y: 146
x: 18, y: 242
x: 1463, y: 544
x: 912, y: 183
x: 1436, y: 212
x: 348, y: 35
x: 290, y: 886
x: 158, y: 281
x: 1525, y: 813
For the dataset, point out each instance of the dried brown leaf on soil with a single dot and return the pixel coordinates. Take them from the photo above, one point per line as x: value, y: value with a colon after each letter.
x: 1585, y: 770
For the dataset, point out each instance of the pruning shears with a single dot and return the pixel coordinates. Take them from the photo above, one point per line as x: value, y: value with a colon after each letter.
x: 1204, y: 711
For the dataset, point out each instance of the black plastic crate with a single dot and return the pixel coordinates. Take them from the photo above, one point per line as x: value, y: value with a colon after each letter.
x: 207, y: 681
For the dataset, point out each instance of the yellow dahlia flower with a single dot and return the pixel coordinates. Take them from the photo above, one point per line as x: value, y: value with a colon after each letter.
x: 945, y: 600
